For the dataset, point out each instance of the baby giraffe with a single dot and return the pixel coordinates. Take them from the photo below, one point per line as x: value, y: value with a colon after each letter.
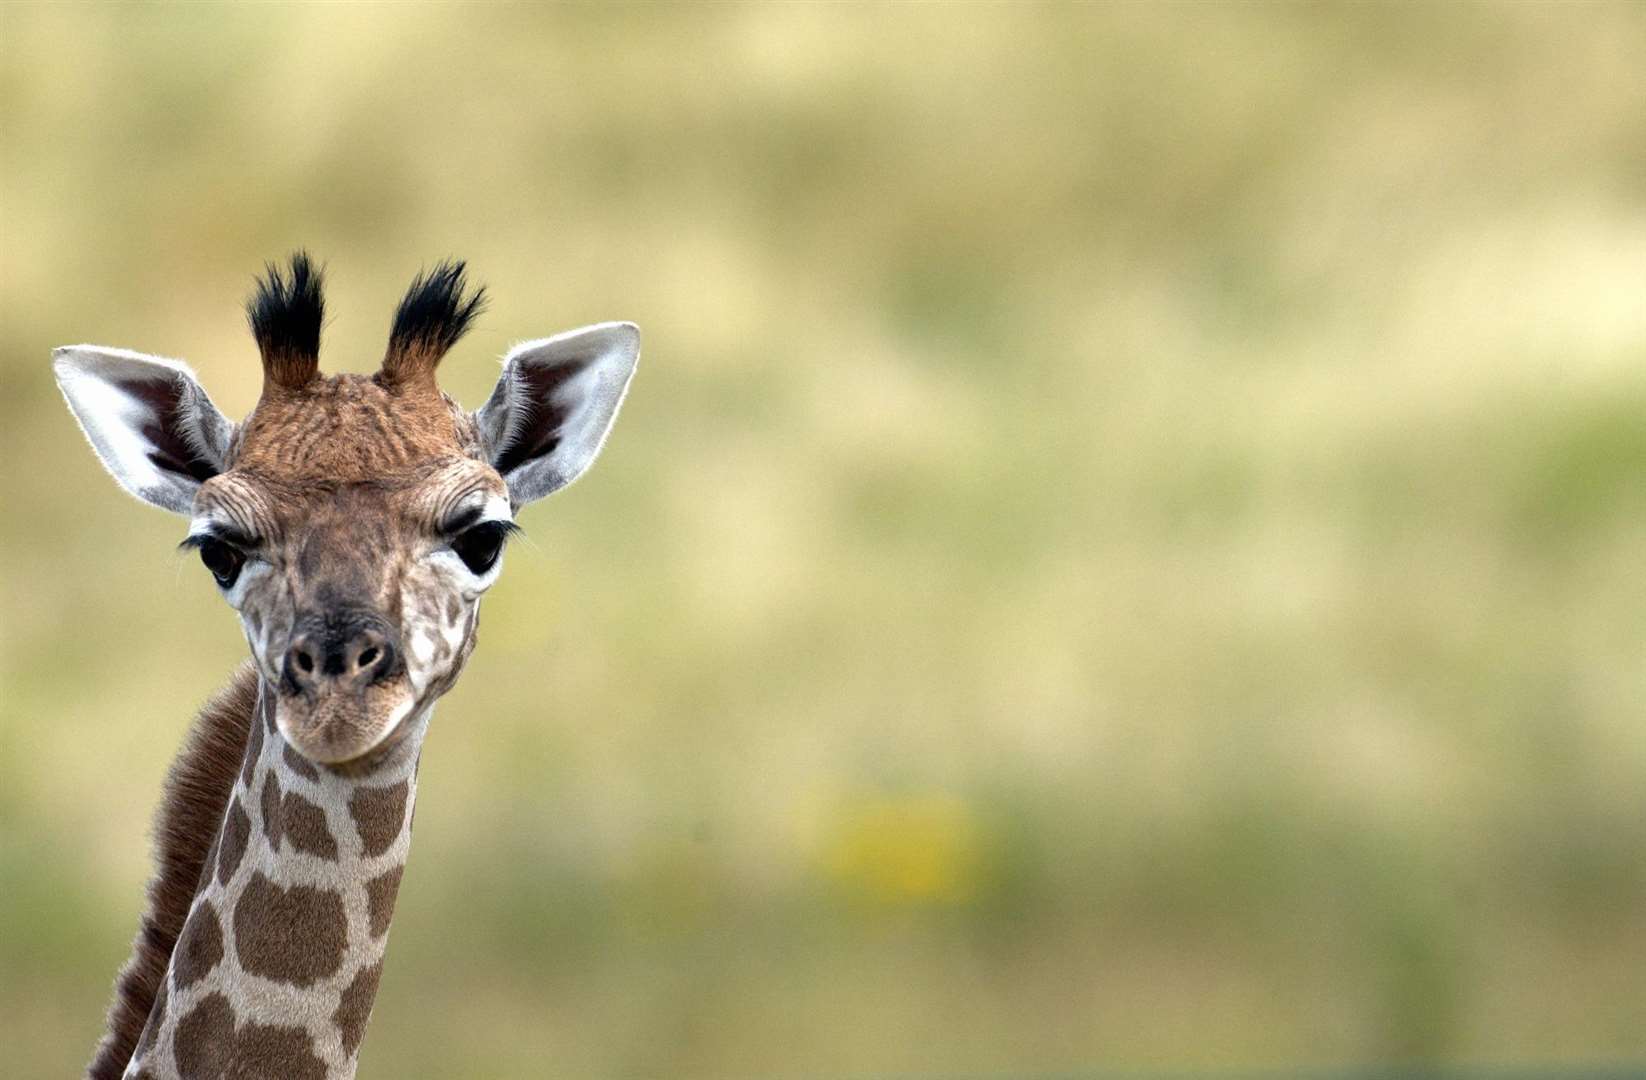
x: 353, y: 522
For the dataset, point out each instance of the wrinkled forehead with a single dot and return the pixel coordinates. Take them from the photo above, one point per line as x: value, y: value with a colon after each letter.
x: 351, y: 429
x: 440, y: 497
x: 348, y: 456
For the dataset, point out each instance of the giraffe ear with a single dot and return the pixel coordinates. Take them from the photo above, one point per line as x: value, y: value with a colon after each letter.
x: 151, y: 423
x: 547, y: 419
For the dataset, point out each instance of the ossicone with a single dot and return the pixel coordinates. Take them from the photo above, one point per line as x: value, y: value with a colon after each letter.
x: 285, y: 313
x: 437, y: 310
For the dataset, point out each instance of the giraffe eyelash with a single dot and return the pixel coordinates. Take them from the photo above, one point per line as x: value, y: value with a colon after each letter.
x: 219, y: 533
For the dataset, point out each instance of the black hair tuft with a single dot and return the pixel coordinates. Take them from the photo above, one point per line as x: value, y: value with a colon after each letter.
x: 433, y: 316
x: 285, y: 313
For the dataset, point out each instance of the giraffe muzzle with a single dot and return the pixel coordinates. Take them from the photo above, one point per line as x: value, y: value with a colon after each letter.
x: 344, y: 685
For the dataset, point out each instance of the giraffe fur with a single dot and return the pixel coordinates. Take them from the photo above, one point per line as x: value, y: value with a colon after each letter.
x: 353, y: 523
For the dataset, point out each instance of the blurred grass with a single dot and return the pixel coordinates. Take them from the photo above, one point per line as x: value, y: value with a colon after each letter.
x: 1125, y: 549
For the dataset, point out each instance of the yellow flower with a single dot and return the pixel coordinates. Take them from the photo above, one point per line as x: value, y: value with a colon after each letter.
x: 906, y: 849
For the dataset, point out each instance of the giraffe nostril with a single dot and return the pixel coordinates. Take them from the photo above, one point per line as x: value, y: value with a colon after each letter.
x: 302, y: 665
x: 347, y: 655
x: 375, y: 660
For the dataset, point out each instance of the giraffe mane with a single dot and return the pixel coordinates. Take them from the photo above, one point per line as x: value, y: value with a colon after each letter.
x: 285, y: 312
x: 191, y: 811
x: 432, y: 316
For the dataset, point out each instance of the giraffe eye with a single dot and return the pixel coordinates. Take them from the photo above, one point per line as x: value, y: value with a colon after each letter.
x: 223, y: 560
x: 480, y: 546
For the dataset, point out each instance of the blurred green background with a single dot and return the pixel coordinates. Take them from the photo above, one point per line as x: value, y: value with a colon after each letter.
x: 1127, y: 547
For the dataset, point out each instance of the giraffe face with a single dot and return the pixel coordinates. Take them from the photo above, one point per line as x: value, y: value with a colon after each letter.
x: 354, y: 521
x: 354, y: 533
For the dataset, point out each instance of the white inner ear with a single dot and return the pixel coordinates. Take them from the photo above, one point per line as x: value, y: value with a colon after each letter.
x: 95, y: 382
x: 590, y: 400
x: 591, y: 368
x: 113, y: 422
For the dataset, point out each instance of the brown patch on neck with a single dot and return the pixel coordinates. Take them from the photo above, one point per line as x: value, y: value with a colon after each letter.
x: 210, y: 1045
x: 232, y: 844
x: 191, y: 812
x: 299, y: 764
x: 378, y: 813
x: 200, y: 948
x: 354, y: 1007
x: 380, y: 893
x: 296, y: 935
x: 290, y: 816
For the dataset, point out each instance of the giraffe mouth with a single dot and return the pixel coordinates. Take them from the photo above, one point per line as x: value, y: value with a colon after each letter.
x: 342, y: 728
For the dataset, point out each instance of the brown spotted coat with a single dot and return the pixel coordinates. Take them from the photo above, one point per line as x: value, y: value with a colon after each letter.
x: 290, y: 919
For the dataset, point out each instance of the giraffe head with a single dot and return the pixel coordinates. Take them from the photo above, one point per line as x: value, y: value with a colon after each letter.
x: 354, y: 521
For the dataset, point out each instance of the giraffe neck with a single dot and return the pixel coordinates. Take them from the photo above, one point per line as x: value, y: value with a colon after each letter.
x: 277, y: 966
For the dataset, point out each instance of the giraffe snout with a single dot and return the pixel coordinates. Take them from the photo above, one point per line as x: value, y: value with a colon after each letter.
x: 340, y: 653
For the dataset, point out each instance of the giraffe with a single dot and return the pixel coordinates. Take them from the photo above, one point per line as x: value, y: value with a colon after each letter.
x: 353, y: 523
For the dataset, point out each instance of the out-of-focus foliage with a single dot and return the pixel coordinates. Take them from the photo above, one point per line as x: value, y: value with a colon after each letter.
x: 1125, y: 547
